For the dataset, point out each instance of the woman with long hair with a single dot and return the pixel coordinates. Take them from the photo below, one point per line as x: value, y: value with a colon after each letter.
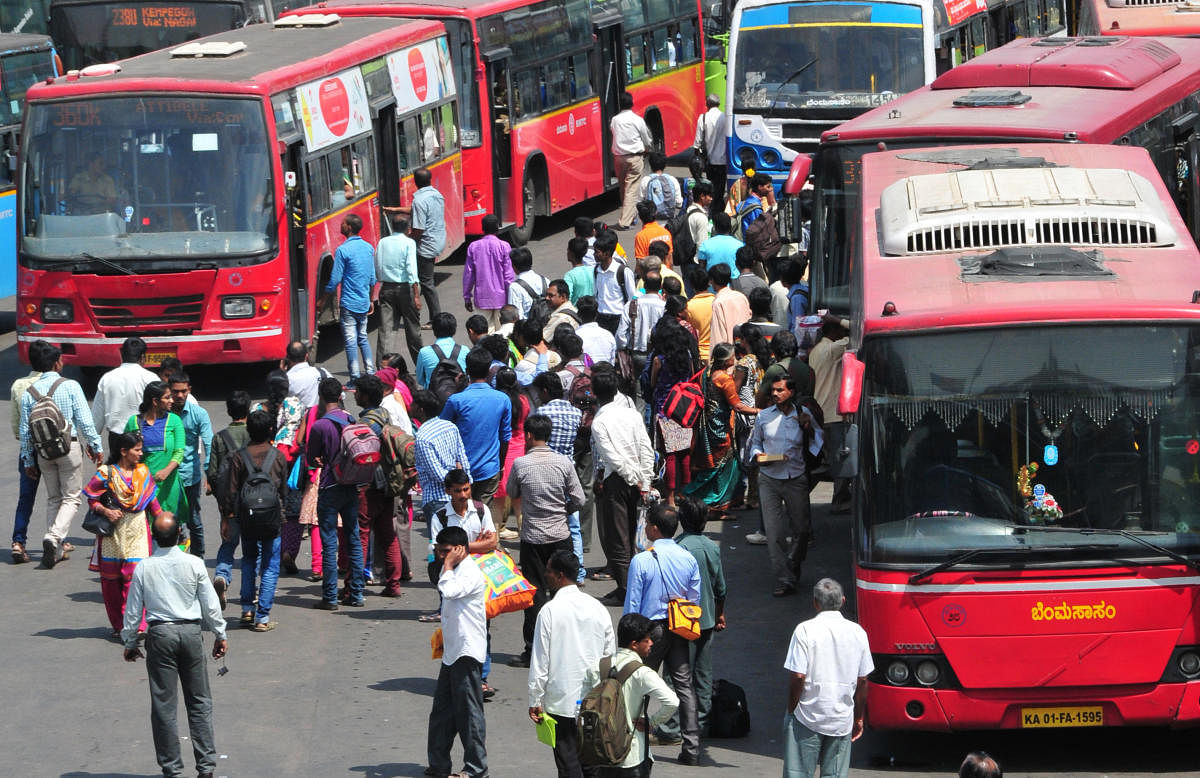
x: 753, y: 358
x: 714, y: 461
x: 163, y: 444
x: 123, y: 490
x: 506, y: 381
x: 674, y: 358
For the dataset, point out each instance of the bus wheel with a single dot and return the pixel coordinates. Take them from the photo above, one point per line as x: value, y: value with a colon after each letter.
x: 530, y: 196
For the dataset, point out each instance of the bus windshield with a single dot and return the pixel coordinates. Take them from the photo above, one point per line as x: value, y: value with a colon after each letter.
x: 134, y: 177
x: 90, y: 32
x: 18, y: 72
x: 979, y: 438
x: 829, y: 56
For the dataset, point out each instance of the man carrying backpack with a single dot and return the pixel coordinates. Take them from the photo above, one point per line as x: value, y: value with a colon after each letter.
x: 614, y: 281
x: 376, y: 504
x: 661, y: 188
x: 254, y: 498
x: 528, y: 288
x: 443, y: 349
x: 334, y: 498
x: 54, y: 426
x: 623, y: 677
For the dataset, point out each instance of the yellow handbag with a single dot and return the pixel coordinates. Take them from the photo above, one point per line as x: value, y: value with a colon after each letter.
x: 683, y: 615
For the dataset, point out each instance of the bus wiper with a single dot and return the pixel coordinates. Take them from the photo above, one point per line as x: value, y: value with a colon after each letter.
x: 970, y: 554
x: 775, y: 98
x: 1124, y: 533
x: 102, y: 261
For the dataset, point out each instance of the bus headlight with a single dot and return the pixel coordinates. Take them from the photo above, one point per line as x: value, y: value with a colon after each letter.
x: 928, y: 673
x: 771, y: 158
x: 746, y: 158
x: 58, y: 311
x: 897, y: 672
x: 237, y: 307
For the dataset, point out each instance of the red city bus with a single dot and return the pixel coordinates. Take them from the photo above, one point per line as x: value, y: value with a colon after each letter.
x: 1022, y: 392
x: 225, y: 168
x: 540, y: 80
x: 1134, y: 17
x: 1136, y: 91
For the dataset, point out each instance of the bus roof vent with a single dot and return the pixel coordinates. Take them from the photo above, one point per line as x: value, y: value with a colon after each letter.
x: 970, y: 210
x: 1036, y: 263
x: 980, y: 98
x: 308, y: 20
x: 210, y: 49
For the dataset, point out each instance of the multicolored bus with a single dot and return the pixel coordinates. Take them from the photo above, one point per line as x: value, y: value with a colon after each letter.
x: 25, y: 59
x: 194, y: 196
x: 1130, y: 91
x: 540, y: 80
x: 1023, y: 419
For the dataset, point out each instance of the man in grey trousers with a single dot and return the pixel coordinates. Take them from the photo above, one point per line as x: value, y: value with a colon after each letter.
x: 179, y: 601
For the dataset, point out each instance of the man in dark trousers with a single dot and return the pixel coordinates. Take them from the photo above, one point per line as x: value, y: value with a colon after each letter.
x: 180, y: 602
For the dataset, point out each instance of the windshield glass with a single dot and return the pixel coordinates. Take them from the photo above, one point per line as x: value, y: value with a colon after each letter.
x: 134, y: 177
x: 971, y: 436
x: 90, y: 33
x: 828, y: 56
x: 18, y: 72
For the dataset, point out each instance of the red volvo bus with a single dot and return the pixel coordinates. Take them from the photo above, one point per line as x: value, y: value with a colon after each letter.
x: 1128, y: 91
x: 540, y: 80
x: 1026, y: 436
x: 1135, y: 17
x: 194, y: 196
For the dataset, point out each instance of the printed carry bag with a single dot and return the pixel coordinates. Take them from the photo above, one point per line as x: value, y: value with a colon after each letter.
x: 507, y: 589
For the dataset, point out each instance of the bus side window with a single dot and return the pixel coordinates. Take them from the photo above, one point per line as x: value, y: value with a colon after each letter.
x: 581, y: 78
x: 363, y: 166
x: 409, y: 144
x: 686, y: 43
x: 431, y: 147
x: 450, y: 136
x: 558, y: 84
x: 662, y: 50
x: 636, y: 51
x: 317, y: 182
x: 526, y: 84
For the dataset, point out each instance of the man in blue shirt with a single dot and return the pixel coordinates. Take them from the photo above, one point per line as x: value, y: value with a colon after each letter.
x: 354, y: 269
x: 663, y: 572
x: 399, y: 290
x: 428, y: 211
x: 484, y: 419
x: 751, y: 208
x: 197, y: 429
x: 721, y: 247
x: 444, y: 347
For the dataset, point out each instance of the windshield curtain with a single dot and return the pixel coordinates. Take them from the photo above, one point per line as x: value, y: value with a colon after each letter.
x: 1109, y: 415
x: 826, y: 66
x: 134, y: 177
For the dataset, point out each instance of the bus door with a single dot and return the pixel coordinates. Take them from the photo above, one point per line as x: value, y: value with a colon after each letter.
x: 608, y: 74
x: 297, y: 218
x: 388, y: 165
x: 1187, y: 167
x: 499, y: 87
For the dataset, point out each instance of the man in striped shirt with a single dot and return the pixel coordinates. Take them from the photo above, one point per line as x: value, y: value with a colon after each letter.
x: 438, y: 449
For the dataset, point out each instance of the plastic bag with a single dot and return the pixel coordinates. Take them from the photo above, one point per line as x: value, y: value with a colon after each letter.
x: 507, y: 589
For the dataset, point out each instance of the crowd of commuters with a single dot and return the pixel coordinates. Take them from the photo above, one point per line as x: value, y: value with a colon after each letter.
x: 549, y: 412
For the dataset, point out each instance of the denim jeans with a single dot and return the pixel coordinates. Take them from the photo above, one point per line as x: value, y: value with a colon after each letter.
x: 354, y: 335
x: 804, y: 749
x: 28, y: 494
x: 260, y: 559
x: 332, y: 501
x: 225, y: 552
x: 195, y: 528
x: 577, y: 544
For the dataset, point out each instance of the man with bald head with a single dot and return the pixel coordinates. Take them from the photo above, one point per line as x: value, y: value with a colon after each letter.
x: 179, y: 602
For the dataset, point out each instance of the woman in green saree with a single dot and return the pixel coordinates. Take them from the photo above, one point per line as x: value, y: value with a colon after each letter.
x: 163, y: 442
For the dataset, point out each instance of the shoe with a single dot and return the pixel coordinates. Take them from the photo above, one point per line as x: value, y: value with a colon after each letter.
x: 615, y: 597
x: 247, y: 618
x: 19, y: 554
x: 436, y: 773
x: 349, y: 387
x: 508, y: 536
x: 784, y: 591
x: 427, y: 326
x: 220, y: 584
x: 370, y: 581
x: 691, y: 760
x: 50, y: 554
x: 489, y: 691
x: 756, y: 539
x: 288, y: 564
x: 325, y: 605
x: 263, y: 626
x: 659, y: 739
x: 67, y: 547
x: 355, y: 603
x: 600, y: 575
x: 519, y: 661
x: 391, y: 593
x: 316, y: 577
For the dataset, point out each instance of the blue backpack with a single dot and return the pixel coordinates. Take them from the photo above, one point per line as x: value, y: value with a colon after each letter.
x: 660, y: 192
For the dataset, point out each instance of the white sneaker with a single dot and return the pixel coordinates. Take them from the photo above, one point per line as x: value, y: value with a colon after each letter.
x: 507, y: 535
x: 756, y: 539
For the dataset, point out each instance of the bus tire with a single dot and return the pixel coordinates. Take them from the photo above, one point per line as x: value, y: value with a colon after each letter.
x: 533, y: 191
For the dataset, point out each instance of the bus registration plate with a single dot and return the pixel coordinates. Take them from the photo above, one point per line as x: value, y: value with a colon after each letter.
x: 1080, y: 716
x: 155, y: 358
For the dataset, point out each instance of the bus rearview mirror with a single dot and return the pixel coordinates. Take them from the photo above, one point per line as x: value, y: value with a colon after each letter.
x: 850, y: 396
x: 801, y: 168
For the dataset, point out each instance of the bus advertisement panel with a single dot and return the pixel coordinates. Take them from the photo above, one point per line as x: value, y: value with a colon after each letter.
x: 1024, y: 504
x: 201, y: 211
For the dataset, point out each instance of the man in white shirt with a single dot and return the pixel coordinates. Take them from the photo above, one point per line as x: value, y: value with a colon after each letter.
x: 303, y: 378
x: 639, y: 317
x: 598, y: 343
x: 829, y: 659
x: 710, y: 143
x: 624, y: 462
x: 458, y: 699
x: 573, y: 633
x: 120, y: 390
x: 631, y: 139
x: 399, y: 290
x: 613, y: 280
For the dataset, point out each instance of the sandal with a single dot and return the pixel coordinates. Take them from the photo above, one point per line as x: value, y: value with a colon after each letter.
x: 247, y: 618
x: 429, y: 618
x: 19, y: 554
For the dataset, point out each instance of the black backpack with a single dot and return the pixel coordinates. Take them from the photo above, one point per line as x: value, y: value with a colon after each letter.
x: 259, y: 509
x: 447, y: 377
x: 682, y: 246
x: 730, y: 716
x: 540, y: 310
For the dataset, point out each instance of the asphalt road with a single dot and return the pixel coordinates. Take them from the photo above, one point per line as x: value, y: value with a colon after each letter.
x: 348, y: 693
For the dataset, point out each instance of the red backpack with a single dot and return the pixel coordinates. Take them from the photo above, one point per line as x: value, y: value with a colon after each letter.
x: 684, y: 401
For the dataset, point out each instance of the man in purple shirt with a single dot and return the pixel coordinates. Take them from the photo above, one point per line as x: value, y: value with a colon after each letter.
x: 488, y: 272
x: 334, y: 499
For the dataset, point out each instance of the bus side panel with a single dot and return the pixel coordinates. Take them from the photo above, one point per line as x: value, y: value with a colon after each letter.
x: 679, y: 98
x: 567, y: 139
x: 8, y: 239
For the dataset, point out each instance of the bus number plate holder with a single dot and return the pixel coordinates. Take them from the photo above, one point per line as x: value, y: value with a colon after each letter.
x: 1074, y: 716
